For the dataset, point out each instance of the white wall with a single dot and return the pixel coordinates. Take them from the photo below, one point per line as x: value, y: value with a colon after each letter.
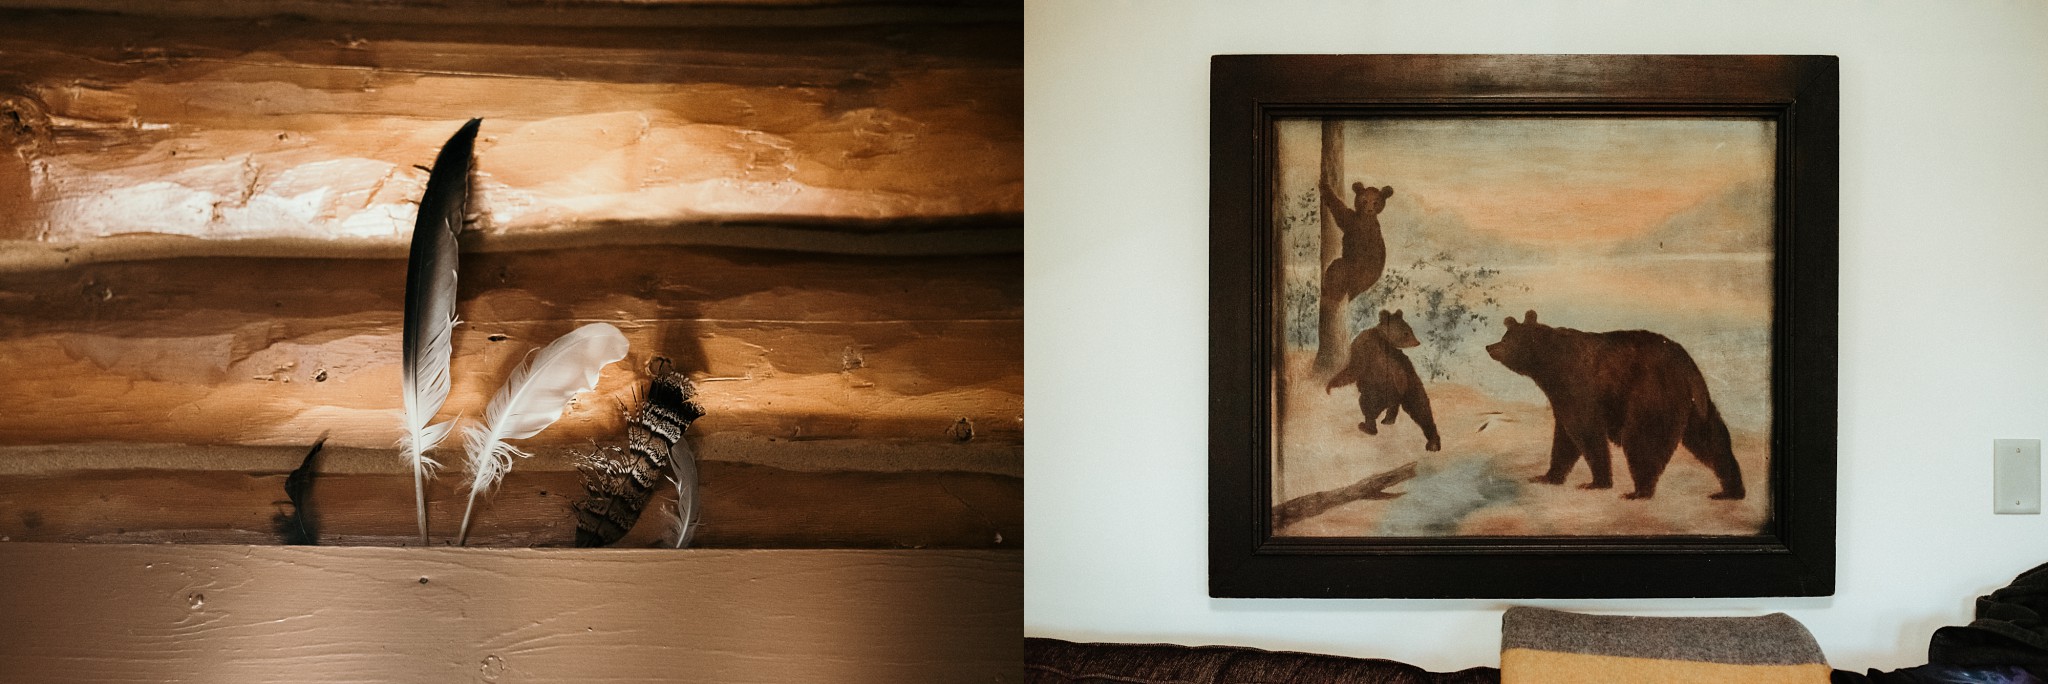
x: 1944, y: 188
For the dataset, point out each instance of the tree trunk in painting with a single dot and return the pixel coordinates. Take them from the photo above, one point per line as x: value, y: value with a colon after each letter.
x: 1330, y: 323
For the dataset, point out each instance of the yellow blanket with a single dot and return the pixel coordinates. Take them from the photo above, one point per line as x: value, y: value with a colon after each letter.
x: 1541, y: 646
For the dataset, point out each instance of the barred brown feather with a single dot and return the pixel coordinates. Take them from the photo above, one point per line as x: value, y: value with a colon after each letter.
x: 619, y: 483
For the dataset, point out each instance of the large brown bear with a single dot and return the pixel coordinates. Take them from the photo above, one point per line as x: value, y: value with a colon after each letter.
x: 1386, y: 379
x: 1365, y: 249
x: 1636, y: 388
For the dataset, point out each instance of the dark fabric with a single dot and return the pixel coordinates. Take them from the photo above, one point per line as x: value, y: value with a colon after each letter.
x: 2009, y: 628
x: 1952, y: 674
x: 1774, y: 639
x: 1054, y: 661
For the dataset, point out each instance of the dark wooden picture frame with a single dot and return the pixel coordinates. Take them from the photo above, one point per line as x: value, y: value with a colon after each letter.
x: 1793, y: 555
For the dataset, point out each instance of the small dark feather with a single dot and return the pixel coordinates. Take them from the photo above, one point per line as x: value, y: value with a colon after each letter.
x: 300, y: 528
x: 619, y: 483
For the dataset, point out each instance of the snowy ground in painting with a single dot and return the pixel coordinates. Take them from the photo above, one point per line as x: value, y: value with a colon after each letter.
x: 1478, y: 484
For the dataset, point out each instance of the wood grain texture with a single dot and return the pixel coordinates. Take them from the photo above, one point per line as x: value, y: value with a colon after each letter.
x: 128, y: 613
x: 283, y: 127
x: 812, y: 207
x: 743, y: 506
x: 275, y: 351
x: 880, y: 399
x: 881, y: 396
x: 565, y: 13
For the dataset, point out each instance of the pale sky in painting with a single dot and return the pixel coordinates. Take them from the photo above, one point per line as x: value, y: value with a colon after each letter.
x: 1599, y: 223
x: 1555, y: 183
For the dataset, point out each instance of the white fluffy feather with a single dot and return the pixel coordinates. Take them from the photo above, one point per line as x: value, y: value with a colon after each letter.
x: 534, y: 398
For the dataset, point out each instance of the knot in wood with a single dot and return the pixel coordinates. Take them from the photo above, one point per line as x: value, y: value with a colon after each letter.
x: 24, y: 122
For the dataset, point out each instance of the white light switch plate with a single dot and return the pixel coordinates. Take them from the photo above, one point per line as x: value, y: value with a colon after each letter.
x: 2016, y: 475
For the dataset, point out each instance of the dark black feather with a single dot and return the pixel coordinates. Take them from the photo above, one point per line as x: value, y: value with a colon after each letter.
x: 430, y: 295
x: 434, y: 251
x: 619, y: 483
x: 301, y: 528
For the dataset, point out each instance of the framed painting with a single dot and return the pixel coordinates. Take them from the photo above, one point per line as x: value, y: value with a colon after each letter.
x: 1522, y: 326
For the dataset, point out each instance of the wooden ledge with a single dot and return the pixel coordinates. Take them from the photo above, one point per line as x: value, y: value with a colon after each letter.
x: 222, y: 613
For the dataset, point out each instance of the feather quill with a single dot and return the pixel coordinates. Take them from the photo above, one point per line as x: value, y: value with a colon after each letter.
x: 531, y: 400
x: 684, y: 462
x: 430, y: 309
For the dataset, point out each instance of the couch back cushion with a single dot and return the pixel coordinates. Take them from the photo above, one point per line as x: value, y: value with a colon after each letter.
x: 1053, y: 661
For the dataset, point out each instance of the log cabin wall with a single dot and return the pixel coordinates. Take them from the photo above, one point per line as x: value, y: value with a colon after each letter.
x: 812, y: 208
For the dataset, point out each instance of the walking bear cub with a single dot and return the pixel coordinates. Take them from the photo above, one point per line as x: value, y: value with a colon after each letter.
x: 1636, y: 388
x: 1386, y: 379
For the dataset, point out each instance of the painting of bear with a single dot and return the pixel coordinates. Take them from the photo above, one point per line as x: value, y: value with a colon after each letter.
x: 1386, y: 379
x: 1636, y: 388
x: 1365, y: 249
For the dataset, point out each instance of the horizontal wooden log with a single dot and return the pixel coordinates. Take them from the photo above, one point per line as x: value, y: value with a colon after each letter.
x: 136, y: 613
x: 287, y: 128
x: 676, y: 282
x: 980, y: 235
x: 743, y: 506
x: 568, y: 13
x: 797, y: 455
x: 785, y: 346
